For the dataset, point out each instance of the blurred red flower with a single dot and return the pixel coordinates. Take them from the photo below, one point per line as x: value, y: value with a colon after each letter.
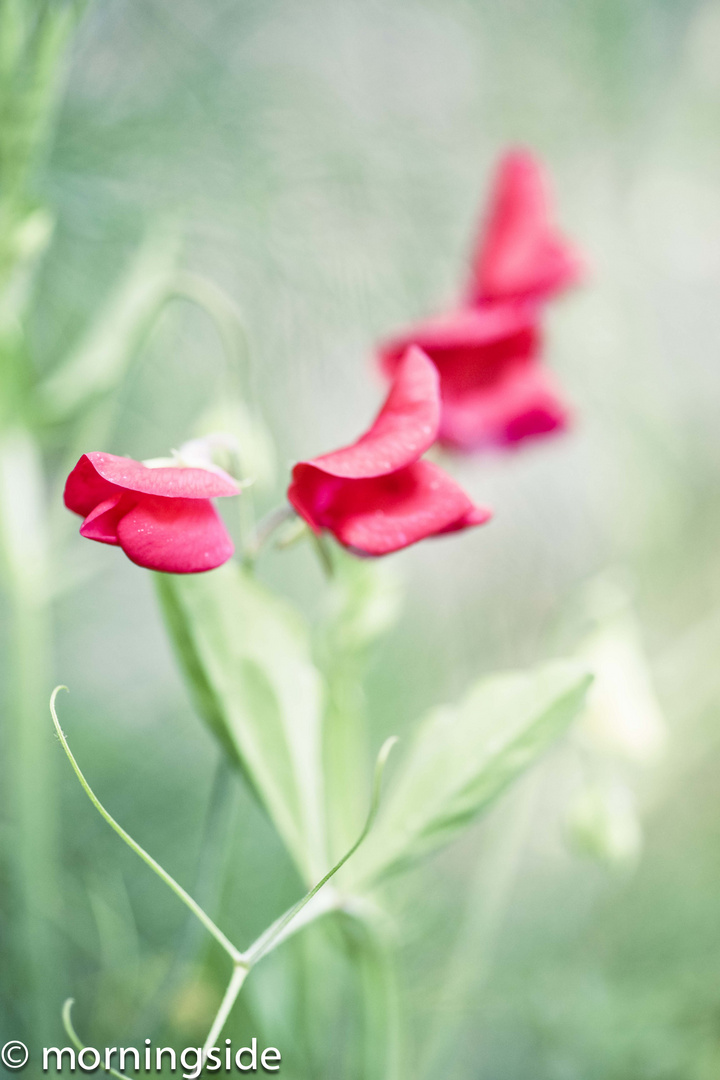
x: 376, y: 495
x: 162, y: 518
x: 487, y: 352
x: 520, y: 255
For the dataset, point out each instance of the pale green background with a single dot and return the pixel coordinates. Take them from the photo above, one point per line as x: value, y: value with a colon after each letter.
x: 329, y: 160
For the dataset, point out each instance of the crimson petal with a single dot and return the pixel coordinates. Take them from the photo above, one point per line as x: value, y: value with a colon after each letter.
x: 523, y: 404
x: 177, y: 536
x: 476, y: 515
x: 471, y: 347
x: 85, y: 487
x: 102, y: 522
x: 520, y: 253
x: 404, y: 428
x: 498, y: 325
x: 97, y: 476
x: 379, y: 515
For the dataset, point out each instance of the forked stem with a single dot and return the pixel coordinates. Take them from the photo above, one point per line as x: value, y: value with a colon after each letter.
x: 292, y: 921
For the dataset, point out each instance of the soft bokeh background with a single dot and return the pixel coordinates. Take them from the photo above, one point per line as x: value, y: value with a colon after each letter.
x: 328, y: 161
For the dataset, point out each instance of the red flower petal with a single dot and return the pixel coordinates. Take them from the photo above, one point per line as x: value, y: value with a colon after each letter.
x: 97, y: 476
x: 85, y: 488
x: 520, y: 253
x: 471, y: 347
x: 101, y: 523
x: 463, y: 328
x: 523, y: 404
x: 177, y: 536
x: 493, y: 392
x: 476, y: 515
x: 404, y: 428
x: 378, y: 515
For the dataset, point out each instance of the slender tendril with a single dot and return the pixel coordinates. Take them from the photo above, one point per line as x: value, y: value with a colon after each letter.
x: 235, y: 955
x: 269, y: 939
x: 75, y: 1038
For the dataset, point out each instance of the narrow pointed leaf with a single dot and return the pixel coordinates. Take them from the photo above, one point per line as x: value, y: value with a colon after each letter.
x: 464, y: 757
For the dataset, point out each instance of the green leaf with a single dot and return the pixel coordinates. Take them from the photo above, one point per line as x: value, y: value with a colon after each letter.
x: 246, y: 657
x: 464, y: 757
x: 101, y: 359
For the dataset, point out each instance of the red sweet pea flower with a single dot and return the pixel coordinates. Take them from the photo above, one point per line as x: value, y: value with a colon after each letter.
x: 520, y: 254
x: 377, y: 496
x: 487, y: 352
x: 494, y: 391
x: 162, y: 518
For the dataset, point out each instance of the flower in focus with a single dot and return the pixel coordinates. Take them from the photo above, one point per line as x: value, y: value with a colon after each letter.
x: 162, y: 517
x: 495, y: 392
x: 377, y: 495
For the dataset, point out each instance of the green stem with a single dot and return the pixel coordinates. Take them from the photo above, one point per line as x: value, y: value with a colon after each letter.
x: 265, y: 530
x: 306, y: 910
x: 345, y: 744
x: 382, y: 1007
x: 231, y: 995
x: 30, y: 779
x: 323, y: 553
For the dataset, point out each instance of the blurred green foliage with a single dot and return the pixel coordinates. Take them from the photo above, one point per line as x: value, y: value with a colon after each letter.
x: 327, y: 160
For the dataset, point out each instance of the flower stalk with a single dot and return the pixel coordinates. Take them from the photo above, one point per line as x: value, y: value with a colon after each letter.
x: 24, y: 560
